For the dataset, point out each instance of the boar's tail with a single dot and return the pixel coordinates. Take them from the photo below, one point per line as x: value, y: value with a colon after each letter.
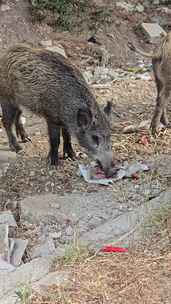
x: 137, y: 50
x: 153, y: 55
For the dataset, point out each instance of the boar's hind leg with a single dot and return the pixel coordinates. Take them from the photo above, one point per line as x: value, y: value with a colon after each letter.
x: 20, y: 128
x: 67, y: 146
x: 160, y: 110
x: 164, y: 119
x: 8, y: 119
x: 54, y: 141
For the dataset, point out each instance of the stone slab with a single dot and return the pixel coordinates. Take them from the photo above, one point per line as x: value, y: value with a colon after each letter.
x: 152, y: 31
x: 19, y: 247
x: 26, y: 274
x: 6, y: 217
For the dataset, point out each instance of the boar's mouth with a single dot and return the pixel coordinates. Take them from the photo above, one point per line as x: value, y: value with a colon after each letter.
x: 109, y: 172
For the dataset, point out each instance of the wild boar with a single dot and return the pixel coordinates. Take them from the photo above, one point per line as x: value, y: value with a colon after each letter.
x: 161, y: 63
x: 47, y: 84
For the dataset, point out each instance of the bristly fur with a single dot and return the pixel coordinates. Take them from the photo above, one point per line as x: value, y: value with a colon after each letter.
x: 50, y: 86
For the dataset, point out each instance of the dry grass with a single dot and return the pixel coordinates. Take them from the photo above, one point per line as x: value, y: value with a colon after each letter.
x: 141, y: 276
x: 123, y: 278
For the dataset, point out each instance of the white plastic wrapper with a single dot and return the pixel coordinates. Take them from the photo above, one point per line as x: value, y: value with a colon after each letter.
x: 126, y: 170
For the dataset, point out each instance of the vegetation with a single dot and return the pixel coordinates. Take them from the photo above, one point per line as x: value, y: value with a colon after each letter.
x: 65, y: 9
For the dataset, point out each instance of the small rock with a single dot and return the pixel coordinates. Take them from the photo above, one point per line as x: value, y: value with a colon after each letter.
x: 88, y: 76
x: 145, y: 124
x: 4, y: 247
x: 5, y: 266
x: 156, y: 2
x: 46, y: 43
x: 6, y: 217
x: 130, y: 129
x: 139, y: 8
x: 18, y: 251
x: 43, y: 250
x: 32, y: 173
x: 124, y: 5
x: 69, y: 231
x: 25, y: 274
x: 55, y: 235
x: 5, y: 7
x: 153, y: 31
x: 58, y: 49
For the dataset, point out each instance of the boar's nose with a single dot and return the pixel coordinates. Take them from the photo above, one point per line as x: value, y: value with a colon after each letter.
x: 105, y: 161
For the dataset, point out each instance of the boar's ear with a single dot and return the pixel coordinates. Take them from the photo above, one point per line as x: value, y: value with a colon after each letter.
x: 84, y: 118
x: 108, y: 108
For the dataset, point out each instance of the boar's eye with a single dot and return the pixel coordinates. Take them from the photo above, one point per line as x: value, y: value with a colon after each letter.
x: 95, y: 139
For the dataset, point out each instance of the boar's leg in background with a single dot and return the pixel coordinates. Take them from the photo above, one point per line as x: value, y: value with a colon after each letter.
x: 160, y: 113
x: 20, y: 131
x: 67, y: 146
x: 8, y: 119
x: 163, y: 97
x: 54, y: 141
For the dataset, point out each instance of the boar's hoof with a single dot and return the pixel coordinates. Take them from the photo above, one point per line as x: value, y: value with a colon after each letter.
x: 26, y: 139
x: 15, y: 148
x: 69, y: 154
x: 52, y: 159
x: 168, y: 126
x: 154, y: 128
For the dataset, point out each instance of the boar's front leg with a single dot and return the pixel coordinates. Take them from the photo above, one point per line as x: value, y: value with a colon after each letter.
x: 8, y: 118
x: 54, y: 141
x: 67, y: 146
x: 160, y: 111
x: 164, y: 119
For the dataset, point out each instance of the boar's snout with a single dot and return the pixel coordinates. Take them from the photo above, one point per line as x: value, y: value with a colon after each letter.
x: 105, y: 160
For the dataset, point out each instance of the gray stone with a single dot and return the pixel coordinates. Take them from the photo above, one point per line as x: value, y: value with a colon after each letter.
x: 111, y: 230
x: 72, y: 206
x: 6, y: 217
x: 58, y: 278
x: 69, y: 231
x: 126, y: 227
x: 4, y: 7
x: 139, y: 8
x: 156, y: 2
x: 5, y: 266
x: 124, y: 5
x: 147, y: 211
x: 46, y: 43
x: 5, y: 154
x: 4, y: 246
x: 58, y: 49
x: 55, y: 235
x: 88, y: 75
x: 45, y: 249
x: 18, y: 250
x: 153, y: 31
x: 10, y: 299
x: 25, y: 274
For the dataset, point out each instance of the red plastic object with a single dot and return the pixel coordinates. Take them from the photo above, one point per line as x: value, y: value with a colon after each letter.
x: 113, y: 249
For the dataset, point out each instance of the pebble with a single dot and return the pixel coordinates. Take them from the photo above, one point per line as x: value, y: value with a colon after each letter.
x: 5, y: 7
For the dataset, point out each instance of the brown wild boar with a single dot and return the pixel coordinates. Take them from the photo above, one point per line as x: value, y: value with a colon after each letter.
x: 161, y: 63
x: 48, y: 85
